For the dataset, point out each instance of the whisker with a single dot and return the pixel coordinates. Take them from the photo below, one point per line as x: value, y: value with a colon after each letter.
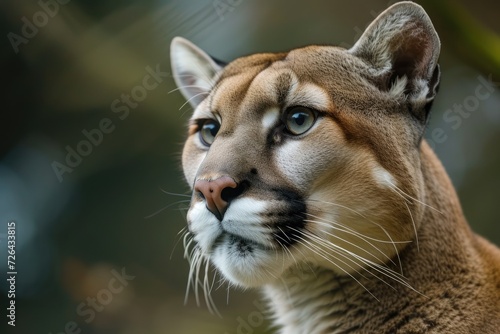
x: 186, y: 86
x: 207, y: 80
x: 174, y: 194
x: 362, y: 238
x: 414, y: 226
x: 345, y: 228
x: 310, y: 235
x: 383, y: 270
x: 197, y: 279
x: 188, y: 255
x: 375, y: 266
x: 291, y: 254
x: 374, y: 223
x: 192, y: 97
x: 353, y: 244
x: 206, y: 289
x: 164, y: 208
x: 287, y: 251
x: 342, y: 269
x: 197, y: 260
x: 401, y: 192
x: 182, y: 232
x: 192, y: 262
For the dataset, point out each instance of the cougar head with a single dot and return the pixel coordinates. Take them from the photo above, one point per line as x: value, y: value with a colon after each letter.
x: 311, y: 155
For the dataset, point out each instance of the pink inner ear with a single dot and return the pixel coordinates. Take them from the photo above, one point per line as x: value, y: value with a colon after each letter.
x: 188, y: 78
x: 191, y: 90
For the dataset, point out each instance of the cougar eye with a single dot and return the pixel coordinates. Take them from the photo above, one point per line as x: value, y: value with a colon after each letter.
x: 299, y: 120
x: 208, y: 131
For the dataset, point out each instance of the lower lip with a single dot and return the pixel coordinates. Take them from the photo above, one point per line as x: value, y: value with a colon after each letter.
x: 247, y: 241
x: 237, y: 238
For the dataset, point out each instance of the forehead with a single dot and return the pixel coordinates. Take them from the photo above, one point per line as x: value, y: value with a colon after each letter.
x: 273, y: 80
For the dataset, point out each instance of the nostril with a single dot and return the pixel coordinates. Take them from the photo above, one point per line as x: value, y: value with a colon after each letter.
x: 228, y: 194
x: 218, y: 193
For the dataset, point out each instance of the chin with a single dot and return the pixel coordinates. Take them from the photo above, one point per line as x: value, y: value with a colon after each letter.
x: 248, y: 264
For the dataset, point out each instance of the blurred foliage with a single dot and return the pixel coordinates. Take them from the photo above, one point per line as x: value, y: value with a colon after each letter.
x: 123, y: 204
x: 476, y: 43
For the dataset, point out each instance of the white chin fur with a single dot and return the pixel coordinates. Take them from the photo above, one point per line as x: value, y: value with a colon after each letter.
x: 250, y: 263
x: 249, y: 269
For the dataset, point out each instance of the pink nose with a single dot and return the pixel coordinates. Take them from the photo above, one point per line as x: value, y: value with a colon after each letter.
x: 212, y: 191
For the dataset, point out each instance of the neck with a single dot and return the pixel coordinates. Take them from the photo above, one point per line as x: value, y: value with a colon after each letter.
x: 310, y: 300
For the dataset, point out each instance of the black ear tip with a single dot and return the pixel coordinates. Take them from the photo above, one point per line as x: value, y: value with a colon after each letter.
x: 434, y: 81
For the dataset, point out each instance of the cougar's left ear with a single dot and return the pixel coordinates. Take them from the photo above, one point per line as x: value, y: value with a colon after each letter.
x: 194, y: 70
x: 403, y: 47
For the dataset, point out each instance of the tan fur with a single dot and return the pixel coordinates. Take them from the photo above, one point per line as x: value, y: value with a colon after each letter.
x: 381, y: 227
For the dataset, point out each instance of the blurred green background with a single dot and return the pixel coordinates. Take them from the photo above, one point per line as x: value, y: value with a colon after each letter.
x: 117, y: 208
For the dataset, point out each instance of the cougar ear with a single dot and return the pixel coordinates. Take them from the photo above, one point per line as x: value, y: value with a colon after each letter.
x: 193, y: 70
x: 403, y: 47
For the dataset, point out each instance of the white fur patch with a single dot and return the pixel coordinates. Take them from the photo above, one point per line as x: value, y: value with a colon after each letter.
x: 290, y: 160
x: 253, y: 269
x: 315, y: 291
x: 257, y: 265
x: 202, y: 110
x: 243, y: 219
x: 264, y: 85
x: 204, y: 225
x: 420, y: 93
x: 310, y: 95
x: 383, y: 177
x: 270, y: 118
x: 398, y: 87
x: 298, y: 160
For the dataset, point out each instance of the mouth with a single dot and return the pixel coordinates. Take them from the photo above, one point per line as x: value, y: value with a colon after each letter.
x: 241, y: 245
x: 245, y: 262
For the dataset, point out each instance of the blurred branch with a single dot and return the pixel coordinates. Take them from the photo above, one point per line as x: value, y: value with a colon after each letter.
x: 467, y: 36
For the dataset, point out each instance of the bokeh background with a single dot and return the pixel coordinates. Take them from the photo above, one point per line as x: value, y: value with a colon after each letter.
x: 123, y: 204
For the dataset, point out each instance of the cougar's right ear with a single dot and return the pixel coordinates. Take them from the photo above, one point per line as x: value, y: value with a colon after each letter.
x: 403, y: 47
x: 193, y: 69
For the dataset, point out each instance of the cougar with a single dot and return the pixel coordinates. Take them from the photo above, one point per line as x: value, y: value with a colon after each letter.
x: 311, y: 180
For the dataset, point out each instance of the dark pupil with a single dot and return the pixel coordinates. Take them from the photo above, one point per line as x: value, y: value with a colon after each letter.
x: 299, y: 118
x: 211, y: 128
